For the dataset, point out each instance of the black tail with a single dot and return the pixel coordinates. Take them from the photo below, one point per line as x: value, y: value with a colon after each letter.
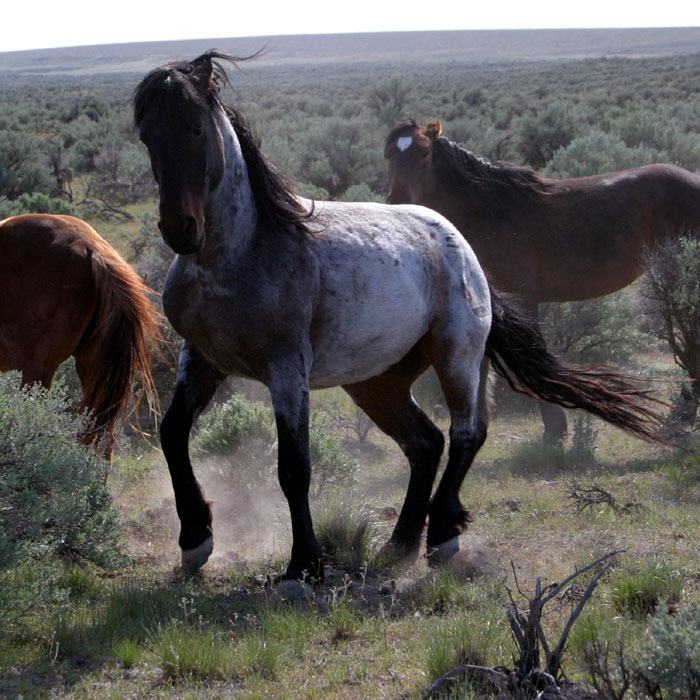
x: 518, y: 353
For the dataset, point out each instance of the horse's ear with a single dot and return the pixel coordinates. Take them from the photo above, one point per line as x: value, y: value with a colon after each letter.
x: 434, y: 130
x: 203, y: 75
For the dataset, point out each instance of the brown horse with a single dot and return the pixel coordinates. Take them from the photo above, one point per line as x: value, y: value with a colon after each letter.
x: 543, y: 239
x: 65, y: 291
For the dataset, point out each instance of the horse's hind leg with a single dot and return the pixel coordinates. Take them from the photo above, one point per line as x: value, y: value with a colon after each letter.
x: 465, y: 387
x: 196, y: 383
x: 388, y: 402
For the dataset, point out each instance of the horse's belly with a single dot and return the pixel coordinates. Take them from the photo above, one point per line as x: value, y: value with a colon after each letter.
x: 364, y: 342
x: 353, y: 364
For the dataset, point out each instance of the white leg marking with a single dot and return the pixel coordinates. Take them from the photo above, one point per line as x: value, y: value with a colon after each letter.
x: 195, y: 559
x: 443, y: 552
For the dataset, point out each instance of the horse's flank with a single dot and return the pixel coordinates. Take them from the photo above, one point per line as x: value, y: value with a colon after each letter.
x: 66, y: 292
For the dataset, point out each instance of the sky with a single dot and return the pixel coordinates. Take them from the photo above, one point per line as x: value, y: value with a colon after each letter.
x: 50, y: 23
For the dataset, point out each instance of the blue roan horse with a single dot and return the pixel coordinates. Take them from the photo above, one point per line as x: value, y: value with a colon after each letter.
x: 302, y: 296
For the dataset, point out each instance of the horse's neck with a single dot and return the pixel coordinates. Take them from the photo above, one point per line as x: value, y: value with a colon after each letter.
x: 231, y: 214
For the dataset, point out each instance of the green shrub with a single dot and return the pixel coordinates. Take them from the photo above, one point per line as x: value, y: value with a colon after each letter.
x: 240, y: 424
x: 596, y: 153
x: 54, y: 504
x: 599, y: 330
x: 331, y: 467
x: 361, y: 193
x: 35, y: 203
x: 583, y: 439
x: 671, y: 292
x: 658, y: 131
x: 235, y: 426
x: 227, y: 425
x: 669, y: 661
x: 543, y: 134
x: 539, y: 457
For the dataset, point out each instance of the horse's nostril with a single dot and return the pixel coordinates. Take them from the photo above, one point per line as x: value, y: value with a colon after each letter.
x: 190, y: 228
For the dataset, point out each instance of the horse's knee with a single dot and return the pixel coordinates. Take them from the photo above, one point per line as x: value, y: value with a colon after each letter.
x: 425, y: 449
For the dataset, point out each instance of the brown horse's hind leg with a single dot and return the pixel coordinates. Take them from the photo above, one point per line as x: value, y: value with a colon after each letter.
x: 387, y: 401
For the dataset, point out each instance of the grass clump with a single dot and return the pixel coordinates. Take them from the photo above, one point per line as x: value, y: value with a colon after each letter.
x: 129, y: 652
x: 479, y: 638
x: 638, y: 594
x: 346, y: 535
x: 444, y: 592
x: 258, y: 654
x: 186, y: 651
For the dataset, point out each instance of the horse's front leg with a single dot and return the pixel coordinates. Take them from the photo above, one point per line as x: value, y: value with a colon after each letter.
x: 196, y: 384
x: 289, y: 389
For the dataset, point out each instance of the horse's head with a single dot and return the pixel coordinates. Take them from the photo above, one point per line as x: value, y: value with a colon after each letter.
x: 175, y: 112
x: 408, y: 152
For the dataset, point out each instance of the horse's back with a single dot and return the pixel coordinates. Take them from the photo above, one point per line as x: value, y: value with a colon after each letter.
x: 388, y: 275
x: 47, y: 290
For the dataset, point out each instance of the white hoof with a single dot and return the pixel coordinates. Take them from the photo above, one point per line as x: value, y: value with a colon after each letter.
x: 441, y: 553
x: 195, y: 559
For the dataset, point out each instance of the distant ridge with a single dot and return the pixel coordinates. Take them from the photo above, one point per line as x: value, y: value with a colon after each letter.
x: 481, y: 45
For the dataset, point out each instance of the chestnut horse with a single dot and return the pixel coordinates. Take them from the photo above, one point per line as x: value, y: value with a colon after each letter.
x: 543, y: 239
x: 301, y: 295
x: 65, y: 291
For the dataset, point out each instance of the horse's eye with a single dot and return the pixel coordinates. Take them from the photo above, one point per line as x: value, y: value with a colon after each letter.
x: 198, y: 129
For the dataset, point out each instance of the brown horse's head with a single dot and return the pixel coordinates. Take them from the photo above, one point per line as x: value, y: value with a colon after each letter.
x: 172, y: 112
x: 408, y: 152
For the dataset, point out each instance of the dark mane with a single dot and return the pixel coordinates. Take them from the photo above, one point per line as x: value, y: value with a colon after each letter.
x: 455, y: 163
x: 275, y: 196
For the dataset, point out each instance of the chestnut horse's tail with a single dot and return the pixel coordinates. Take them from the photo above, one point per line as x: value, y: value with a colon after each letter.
x: 117, y: 345
x: 517, y: 351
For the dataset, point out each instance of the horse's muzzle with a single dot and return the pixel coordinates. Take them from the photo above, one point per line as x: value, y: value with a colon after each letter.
x: 185, y: 237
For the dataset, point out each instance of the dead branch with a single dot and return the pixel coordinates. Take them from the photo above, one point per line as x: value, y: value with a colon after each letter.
x: 528, y: 679
x: 588, y: 497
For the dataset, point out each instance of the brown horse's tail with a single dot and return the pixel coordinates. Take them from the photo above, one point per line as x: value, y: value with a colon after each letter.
x: 118, y: 345
x: 517, y: 351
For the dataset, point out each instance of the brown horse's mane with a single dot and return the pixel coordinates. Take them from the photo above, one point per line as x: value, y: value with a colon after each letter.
x: 275, y: 196
x: 463, y: 167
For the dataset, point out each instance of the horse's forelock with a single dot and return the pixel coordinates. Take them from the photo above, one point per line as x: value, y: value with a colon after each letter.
x: 398, y: 130
x: 166, y: 83
x: 176, y: 80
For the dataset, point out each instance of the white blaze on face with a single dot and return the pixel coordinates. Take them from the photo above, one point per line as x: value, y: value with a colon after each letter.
x: 404, y: 142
